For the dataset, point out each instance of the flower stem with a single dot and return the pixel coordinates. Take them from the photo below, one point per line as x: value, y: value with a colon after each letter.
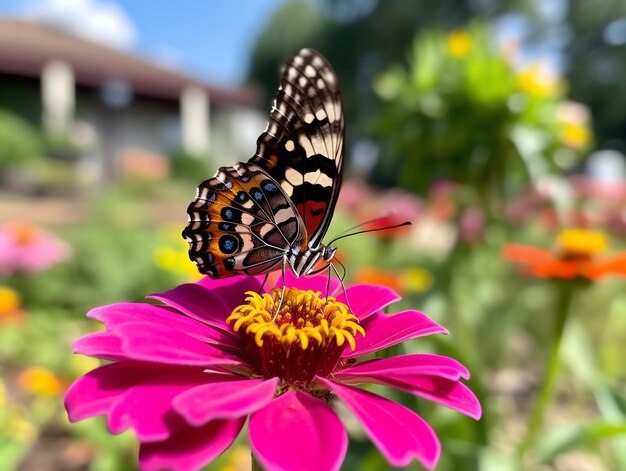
x: 564, y: 292
x: 255, y: 464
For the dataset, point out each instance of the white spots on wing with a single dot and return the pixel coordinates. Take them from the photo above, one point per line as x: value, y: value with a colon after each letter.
x: 288, y: 89
x: 298, y: 60
x: 306, y: 145
x: 330, y: 78
x: 321, y: 84
x: 308, y: 118
x: 265, y: 228
x: 247, y: 219
x: 246, y: 242
x: 202, y: 193
x: 311, y: 92
x: 310, y: 71
x: 318, y: 62
x: 318, y: 178
x: 290, y: 146
x: 283, y: 215
x: 287, y: 188
x: 293, y: 176
x: 320, y: 115
x: 292, y: 73
x: 330, y: 106
x: 221, y: 176
x: 302, y: 81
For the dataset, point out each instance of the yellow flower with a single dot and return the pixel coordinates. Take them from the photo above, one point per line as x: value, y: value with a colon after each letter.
x: 173, y: 257
x: 537, y: 81
x: 21, y: 430
x: 40, y: 381
x: 575, y: 135
x: 416, y: 280
x: 581, y: 242
x: 459, y: 43
x: 10, y: 304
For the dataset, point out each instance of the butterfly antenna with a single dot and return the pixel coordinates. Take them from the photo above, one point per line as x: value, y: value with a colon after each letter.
x: 406, y: 223
x: 365, y: 223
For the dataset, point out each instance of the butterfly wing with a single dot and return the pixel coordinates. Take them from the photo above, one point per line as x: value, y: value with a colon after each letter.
x: 302, y: 147
x: 241, y: 222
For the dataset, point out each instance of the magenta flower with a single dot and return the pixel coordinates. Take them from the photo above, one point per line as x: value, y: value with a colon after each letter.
x: 26, y: 248
x: 185, y: 375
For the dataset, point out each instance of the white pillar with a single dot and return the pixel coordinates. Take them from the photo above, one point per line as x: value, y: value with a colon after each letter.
x: 194, y: 111
x: 57, y: 96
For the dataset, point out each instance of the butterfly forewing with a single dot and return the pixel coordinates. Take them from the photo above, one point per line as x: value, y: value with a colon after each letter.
x: 302, y: 147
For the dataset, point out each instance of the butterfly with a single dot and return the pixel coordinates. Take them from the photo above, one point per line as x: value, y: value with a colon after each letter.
x: 272, y: 212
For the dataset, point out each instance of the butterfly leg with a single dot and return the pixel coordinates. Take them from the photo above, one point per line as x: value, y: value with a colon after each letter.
x: 343, y: 286
x: 263, y: 284
x: 330, y: 273
x: 282, y: 295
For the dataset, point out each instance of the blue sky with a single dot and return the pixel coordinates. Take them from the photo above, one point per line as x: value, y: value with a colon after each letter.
x: 208, y: 38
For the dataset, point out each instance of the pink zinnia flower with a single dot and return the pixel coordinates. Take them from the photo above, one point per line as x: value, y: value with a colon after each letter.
x: 29, y: 249
x: 185, y: 375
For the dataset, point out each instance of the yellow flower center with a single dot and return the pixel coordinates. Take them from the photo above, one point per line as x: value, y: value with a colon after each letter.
x: 302, y: 339
x: 581, y: 243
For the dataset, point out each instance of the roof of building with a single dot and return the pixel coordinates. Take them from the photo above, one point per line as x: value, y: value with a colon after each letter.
x: 25, y: 47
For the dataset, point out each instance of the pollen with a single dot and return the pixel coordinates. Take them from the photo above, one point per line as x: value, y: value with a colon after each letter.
x: 296, y: 338
x: 581, y: 243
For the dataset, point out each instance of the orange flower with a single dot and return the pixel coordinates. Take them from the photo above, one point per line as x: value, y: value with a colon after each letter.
x: 574, y: 256
x: 10, y: 306
x: 41, y: 382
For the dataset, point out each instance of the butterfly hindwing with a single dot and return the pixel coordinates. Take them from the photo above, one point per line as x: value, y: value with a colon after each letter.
x: 302, y: 147
x: 241, y: 222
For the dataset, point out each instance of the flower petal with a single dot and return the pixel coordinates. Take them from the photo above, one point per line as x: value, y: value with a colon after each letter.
x: 210, y: 301
x: 413, y: 364
x: 313, y: 283
x: 385, y: 330
x: 115, y: 315
x: 399, y: 433
x: 159, y: 344
x: 365, y: 300
x: 525, y: 254
x: 191, y: 448
x: 147, y: 408
x: 224, y: 400
x: 95, y: 393
x: 449, y: 393
x: 100, y: 345
x: 298, y: 431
